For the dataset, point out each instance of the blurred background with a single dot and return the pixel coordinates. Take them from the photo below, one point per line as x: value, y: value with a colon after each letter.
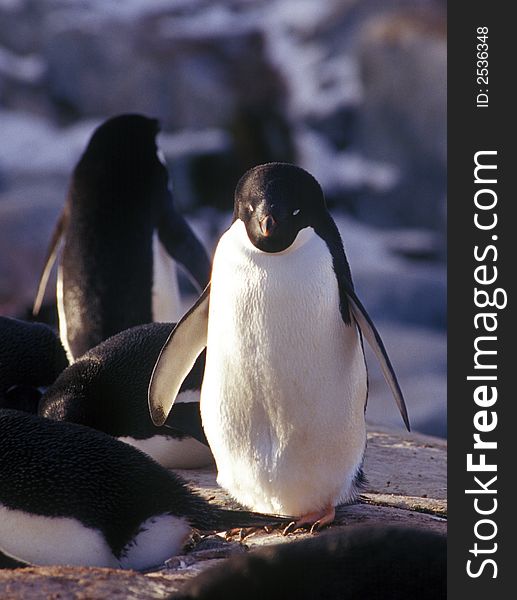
x: 352, y: 90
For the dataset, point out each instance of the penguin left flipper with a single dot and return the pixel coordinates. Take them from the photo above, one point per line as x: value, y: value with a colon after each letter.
x: 183, y: 246
x: 50, y: 259
x: 185, y: 343
x: 374, y: 340
x: 352, y: 308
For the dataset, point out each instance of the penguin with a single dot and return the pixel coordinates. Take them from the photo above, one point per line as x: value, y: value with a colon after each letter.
x: 106, y: 389
x: 121, y: 233
x: 31, y: 358
x: 70, y: 495
x: 362, y: 561
x: 285, y: 386
x: 6, y: 562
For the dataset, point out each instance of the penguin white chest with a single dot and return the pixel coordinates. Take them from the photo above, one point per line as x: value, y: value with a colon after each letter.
x: 284, y: 390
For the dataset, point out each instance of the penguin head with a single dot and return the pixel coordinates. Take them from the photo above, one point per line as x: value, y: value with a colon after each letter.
x: 127, y: 140
x: 275, y: 201
x: 121, y: 163
x: 117, y: 131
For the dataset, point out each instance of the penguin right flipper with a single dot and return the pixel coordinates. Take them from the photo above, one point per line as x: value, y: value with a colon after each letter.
x: 182, y: 244
x: 185, y: 343
x: 50, y: 259
x: 374, y: 340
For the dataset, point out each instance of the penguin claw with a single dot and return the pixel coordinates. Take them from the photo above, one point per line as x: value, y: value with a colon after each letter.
x: 313, y: 521
x: 290, y: 528
x: 315, y: 527
x: 241, y: 533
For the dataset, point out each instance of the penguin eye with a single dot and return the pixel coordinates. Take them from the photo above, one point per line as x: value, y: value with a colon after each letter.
x: 296, y: 212
x: 251, y: 208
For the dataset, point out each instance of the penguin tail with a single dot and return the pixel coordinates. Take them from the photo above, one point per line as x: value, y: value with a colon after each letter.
x: 224, y: 519
x: 9, y: 562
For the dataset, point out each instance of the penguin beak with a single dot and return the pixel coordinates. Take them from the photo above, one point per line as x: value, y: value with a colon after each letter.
x: 268, y: 225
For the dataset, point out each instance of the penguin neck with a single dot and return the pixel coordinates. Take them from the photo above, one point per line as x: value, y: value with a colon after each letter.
x: 238, y: 231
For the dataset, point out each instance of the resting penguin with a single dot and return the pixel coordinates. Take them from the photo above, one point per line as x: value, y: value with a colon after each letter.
x: 362, y: 561
x: 120, y: 230
x: 31, y: 357
x: 285, y: 385
x: 75, y: 496
x: 106, y: 389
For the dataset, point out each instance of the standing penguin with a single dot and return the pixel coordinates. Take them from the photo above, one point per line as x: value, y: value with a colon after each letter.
x: 70, y: 495
x: 285, y: 385
x: 120, y: 230
x: 31, y: 357
x: 106, y: 389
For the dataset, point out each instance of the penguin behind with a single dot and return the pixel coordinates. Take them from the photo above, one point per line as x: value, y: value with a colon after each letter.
x: 106, y: 389
x: 120, y: 231
x: 285, y: 384
x: 70, y: 495
x: 370, y: 562
x: 31, y: 356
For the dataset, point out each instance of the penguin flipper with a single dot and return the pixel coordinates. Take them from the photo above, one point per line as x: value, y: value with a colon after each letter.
x: 186, y: 418
x: 9, y: 562
x: 183, y: 246
x: 375, y: 342
x: 50, y: 259
x: 177, y: 357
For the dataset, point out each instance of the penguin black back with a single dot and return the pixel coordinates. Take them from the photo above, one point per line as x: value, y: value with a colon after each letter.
x: 31, y: 356
x: 370, y: 562
x: 107, y: 388
x: 75, y: 474
x: 65, y: 470
x: 116, y: 192
x: 118, y: 214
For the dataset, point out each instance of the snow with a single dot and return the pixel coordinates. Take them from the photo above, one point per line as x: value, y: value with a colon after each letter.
x: 188, y: 142
x: 346, y: 169
x: 31, y: 144
x: 27, y: 69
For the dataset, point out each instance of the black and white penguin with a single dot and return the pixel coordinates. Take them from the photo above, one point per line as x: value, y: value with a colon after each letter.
x: 31, y: 357
x: 70, y: 495
x: 285, y: 386
x: 121, y: 232
x: 106, y: 389
x: 363, y: 561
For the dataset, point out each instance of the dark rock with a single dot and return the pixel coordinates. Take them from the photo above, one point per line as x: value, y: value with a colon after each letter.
x: 402, y: 61
x: 20, y: 25
x: 258, y: 135
x: 338, y: 127
x: 187, y: 81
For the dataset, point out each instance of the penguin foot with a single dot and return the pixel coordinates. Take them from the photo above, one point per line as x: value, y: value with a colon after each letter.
x: 239, y: 534
x: 313, y: 521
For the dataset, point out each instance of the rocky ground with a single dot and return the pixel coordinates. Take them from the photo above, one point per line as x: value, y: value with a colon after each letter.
x: 406, y: 485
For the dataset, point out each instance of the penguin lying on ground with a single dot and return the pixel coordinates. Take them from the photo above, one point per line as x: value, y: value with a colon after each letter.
x: 285, y: 384
x: 361, y: 562
x: 120, y: 230
x: 31, y: 356
x: 107, y: 389
x: 70, y: 495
